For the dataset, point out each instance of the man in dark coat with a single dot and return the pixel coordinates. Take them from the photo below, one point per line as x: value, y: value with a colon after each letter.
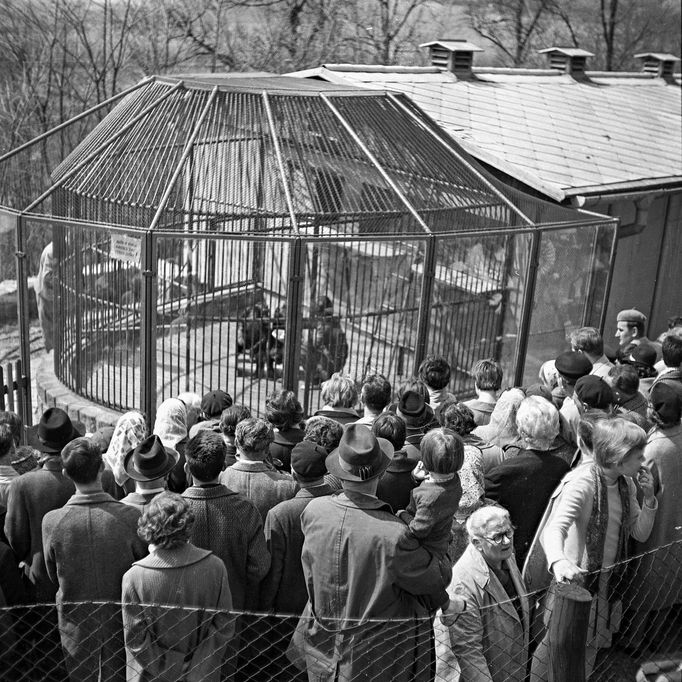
x: 32, y: 495
x: 360, y: 572
x: 89, y: 544
x: 226, y: 522
x: 284, y: 590
x: 231, y: 526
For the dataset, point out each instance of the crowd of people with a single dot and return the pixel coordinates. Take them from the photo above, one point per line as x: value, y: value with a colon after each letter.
x: 396, y: 535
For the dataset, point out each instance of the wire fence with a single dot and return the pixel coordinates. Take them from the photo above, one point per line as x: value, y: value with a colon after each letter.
x: 491, y: 640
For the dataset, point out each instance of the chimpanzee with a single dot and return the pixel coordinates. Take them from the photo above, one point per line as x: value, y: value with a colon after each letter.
x: 255, y: 337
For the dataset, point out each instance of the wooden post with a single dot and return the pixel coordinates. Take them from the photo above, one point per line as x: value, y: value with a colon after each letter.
x: 560, y: 656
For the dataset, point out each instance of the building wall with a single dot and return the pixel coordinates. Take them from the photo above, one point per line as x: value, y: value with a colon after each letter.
x: 647, y: 273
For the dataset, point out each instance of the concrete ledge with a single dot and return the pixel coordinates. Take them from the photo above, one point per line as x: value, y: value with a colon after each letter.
x: 50, y: 392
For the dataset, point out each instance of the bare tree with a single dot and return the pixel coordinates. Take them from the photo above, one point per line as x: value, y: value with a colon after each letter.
x: 511, y: 25
x: 615, y: 30
x: 383, y: 29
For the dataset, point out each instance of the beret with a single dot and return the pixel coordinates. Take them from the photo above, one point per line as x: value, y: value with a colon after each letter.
x: 214, y: 402
x: 573, y: 365
x: 666, y: 402
x: 644, y: 355
x: 632, y: 316
x: 594, y: 392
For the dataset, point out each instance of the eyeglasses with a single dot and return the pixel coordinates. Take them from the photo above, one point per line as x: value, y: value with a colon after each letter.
x: 498, y: 538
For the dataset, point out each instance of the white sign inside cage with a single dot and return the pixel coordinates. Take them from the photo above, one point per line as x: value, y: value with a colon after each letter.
x: 126, y: 248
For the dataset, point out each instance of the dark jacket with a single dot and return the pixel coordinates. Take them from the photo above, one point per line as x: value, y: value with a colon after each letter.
x: 283, y: 590
x: 230, y: 526
x: 283, y: 444
x: 523, y: 486
x: 357, y: 569
x: 30, y: 497
x: 343, y: 415
x: 397, y: 483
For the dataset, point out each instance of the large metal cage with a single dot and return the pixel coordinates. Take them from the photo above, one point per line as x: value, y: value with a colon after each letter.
x: 252, y: 233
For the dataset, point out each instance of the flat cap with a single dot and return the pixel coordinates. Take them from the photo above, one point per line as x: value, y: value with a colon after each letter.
x: 573, y: 365
x: 308, y: 460
x: 631, y: 316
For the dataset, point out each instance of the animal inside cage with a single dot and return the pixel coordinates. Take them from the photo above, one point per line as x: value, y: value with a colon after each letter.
x: 254, y: 233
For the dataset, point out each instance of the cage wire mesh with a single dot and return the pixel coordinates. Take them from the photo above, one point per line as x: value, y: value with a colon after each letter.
x: 247, y: 233
x: 170, y: 640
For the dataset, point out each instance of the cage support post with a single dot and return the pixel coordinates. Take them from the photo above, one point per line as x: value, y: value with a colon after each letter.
x: 425, y: 300
x: 294, y: 317
x: 148, y: 329
x: 609, y: 278
x: 23, y: 312
x: 527, y: 310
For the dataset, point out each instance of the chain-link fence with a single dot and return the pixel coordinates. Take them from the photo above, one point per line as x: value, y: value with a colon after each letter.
x: 517, y: 639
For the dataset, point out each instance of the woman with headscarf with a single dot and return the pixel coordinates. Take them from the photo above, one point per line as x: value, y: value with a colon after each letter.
x: 129, y: 432
x: 171, y: 427
x: 587, y: 526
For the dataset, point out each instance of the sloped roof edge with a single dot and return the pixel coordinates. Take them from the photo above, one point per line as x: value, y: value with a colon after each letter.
x: 549, y: 189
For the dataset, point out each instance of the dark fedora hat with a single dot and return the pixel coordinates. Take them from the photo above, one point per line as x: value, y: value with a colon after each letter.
x: 360, y: 456
x: 149, y: 460
x: 54, y: 430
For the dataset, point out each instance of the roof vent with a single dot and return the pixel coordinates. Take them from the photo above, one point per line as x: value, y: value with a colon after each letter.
x: 454, y: 55
x: 569, y: 60
x: 658, y: 63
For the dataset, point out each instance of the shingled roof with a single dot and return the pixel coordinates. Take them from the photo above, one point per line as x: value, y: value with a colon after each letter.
x: 605, y: 133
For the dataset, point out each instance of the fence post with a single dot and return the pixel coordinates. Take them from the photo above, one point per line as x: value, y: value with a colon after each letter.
x: 148, y: 325
x: 527, y: 310
x: 294, y: 317
x: 23, y: 313
x: 560, y: 657
x: 425, y: 302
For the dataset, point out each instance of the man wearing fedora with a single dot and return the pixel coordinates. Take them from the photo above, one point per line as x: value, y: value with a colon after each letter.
x: 89, y: 544
x: 360, y: 572
x: 35, y: 493
x: 148, y: 465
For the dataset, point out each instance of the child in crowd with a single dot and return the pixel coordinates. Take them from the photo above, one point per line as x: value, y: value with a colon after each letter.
x: 230, y: 417
x: 433, y: 504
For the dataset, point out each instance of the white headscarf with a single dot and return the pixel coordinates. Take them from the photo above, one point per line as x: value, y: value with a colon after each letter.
x: 171, y: 422
x: 130, y: 431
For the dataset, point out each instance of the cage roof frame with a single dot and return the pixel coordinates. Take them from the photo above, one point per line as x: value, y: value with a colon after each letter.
x: 377, y: 156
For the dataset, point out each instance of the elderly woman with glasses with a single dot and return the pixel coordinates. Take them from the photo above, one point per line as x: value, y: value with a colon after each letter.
x: 489, y: 641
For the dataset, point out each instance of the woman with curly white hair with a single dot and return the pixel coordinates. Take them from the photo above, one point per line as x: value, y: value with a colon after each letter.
x: 523, y: 484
